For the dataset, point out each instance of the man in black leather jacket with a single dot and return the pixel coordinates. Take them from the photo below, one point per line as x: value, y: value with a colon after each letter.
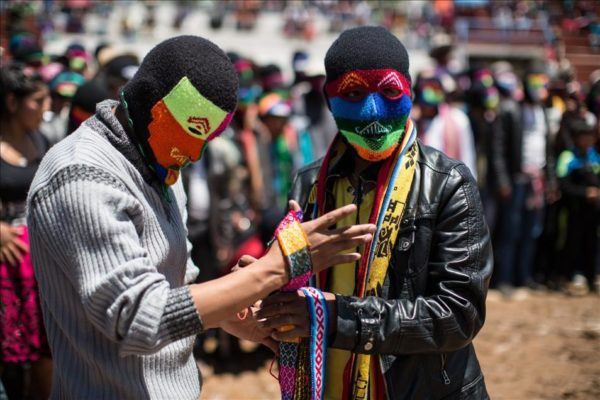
x: 421, y: 322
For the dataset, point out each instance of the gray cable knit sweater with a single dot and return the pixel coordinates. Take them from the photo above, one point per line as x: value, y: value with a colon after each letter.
x: 112, y: 262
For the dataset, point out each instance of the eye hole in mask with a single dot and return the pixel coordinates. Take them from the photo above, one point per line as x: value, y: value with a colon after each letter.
x: 391, y: 92
x: 355, y: 93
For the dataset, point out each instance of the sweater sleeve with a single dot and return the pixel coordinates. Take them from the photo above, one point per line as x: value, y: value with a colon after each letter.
x: 90, y: 225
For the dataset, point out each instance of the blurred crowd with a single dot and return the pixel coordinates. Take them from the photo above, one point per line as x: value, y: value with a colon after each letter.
x: 528, y: 133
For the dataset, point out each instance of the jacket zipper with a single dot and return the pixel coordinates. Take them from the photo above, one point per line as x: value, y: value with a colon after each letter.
x: 445, y: 376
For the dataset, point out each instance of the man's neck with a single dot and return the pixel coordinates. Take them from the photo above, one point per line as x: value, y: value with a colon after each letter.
x: 359, y: 167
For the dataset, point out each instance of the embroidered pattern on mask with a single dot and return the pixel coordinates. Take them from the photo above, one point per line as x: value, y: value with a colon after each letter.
x: 392, y: 79
x: 352, y: 80
x: 182, y: 122
x: 372, y: 121
x: 370, y: 80
x: 199, y: 116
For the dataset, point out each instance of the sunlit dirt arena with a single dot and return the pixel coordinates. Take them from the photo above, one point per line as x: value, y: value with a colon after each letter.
x: 534, y: 346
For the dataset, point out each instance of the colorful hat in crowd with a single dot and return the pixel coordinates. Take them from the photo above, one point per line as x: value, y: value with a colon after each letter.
x: 249, y: 90
x: 66, y: 83
x: 24, y: 49
x: 275, y: 105
x: 183, y: 95
x: 51, y: 70
x: 77, y: 58
x: 123, y: 66
x: 83, y: 103
x: 270, y: 77
x: 483, y: 91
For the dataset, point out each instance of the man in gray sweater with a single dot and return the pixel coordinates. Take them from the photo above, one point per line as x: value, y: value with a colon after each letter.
x: 108, y: 235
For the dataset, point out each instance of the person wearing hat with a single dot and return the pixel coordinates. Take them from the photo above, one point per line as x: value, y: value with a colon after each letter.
x: 403, y: 318
x: 524, y: 165
x: 578, y: 171
x: 62, y: 89
x: 288, y: 148
x: 106, y: 212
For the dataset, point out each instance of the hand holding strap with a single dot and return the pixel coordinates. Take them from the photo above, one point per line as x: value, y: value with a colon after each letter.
x: 295, y: 248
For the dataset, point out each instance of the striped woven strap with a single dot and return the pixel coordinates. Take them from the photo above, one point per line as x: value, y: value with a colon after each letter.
x: 318, y: 340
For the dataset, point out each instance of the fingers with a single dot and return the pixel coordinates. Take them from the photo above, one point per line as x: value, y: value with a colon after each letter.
x: 271, y: 344
x: 11, y: 254
x: 327, y: 255
x: 332, y: 217
x: 4, y: 257
x: 294, y: 206
x: 279, y: 298
x: 297, y: 332
x: 246, y: 260
x: 295, y: 318
x: 345, y: 245
x: 21, y: 245
x: 344, y: 259
x: 352, y: 231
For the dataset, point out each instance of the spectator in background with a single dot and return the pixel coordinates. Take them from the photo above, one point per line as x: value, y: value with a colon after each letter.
x: 84, y: 103
x: 483, y: 101
x: 117, y: 72
x: 25, y: 49
x: 575, y: 109
x: 578, y: 170
x: 271, y: 78
x: 523, y: 163
x: 24, y: 98
x: 310, y: 110
x: 442, y: 125
x: 77, y: 59
x: 62, y: 89
x: 289, y: 149
x: 593, y: 97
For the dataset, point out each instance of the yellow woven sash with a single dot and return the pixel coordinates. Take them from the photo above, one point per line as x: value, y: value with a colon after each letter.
x: 382, y: 253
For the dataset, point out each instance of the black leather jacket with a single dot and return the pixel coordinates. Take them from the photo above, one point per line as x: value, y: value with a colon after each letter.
x: 432, y: 303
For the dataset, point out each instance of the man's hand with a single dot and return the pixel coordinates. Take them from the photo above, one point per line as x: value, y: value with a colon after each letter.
x: 250, y: 329
x: 328, y: 245
x: 291, y: 308
x: 244, y: 261
x: 12, y: 248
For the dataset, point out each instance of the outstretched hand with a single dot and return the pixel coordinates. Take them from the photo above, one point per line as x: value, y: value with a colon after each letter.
x: 328, y: 246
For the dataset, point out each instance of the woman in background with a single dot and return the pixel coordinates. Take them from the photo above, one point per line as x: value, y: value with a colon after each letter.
x: 23, y: 99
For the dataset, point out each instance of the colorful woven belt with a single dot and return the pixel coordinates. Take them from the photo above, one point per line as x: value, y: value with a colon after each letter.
x: 302, y: 361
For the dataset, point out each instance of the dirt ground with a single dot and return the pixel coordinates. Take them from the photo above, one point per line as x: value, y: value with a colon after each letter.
x: 534, y: 346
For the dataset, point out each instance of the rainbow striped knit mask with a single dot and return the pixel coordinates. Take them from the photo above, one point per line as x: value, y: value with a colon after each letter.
x: 182, y: 123
x: 371, y: 108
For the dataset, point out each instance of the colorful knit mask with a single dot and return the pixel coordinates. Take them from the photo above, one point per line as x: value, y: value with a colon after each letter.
x: 490, y: 97
x: 182, y: 123
x: 537, y: 86
x: 183, y: 95
x: 371, y: 108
